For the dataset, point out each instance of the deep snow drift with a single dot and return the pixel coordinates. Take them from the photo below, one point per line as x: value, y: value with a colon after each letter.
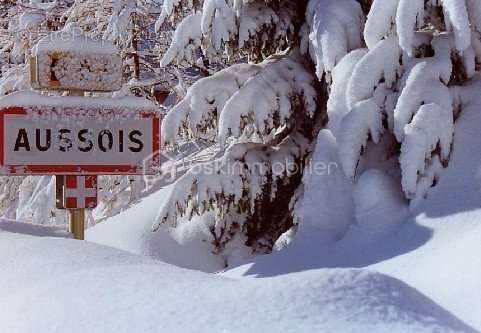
x: 60, y: 285
x: 435, y: 249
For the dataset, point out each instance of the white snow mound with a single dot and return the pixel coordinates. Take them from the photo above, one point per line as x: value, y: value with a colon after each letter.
x: 61, y: 285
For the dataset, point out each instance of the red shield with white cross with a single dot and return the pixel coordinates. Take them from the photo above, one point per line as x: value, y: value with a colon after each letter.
x: 80, y: 192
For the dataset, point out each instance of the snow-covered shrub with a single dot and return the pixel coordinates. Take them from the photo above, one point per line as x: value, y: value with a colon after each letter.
x: 36, y: 202
x: 117, y: 193
x: 9, y: 188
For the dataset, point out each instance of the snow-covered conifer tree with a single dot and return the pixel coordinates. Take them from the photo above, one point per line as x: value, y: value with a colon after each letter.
x: 403, y: 89
x: 264, y: 113
x: 390, y: 70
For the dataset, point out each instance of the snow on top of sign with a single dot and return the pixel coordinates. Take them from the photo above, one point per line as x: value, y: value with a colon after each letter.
x: 31, y: 99
x: 38, y: 4
x: 71, y: 38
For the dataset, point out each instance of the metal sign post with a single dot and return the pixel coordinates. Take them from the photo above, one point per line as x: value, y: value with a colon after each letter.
x: 77, y: 223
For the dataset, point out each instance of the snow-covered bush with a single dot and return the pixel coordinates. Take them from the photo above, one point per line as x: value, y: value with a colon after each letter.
x: 248, y: 190
x: 117, y: 193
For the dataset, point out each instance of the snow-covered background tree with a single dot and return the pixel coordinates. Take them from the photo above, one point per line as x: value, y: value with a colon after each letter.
x: 386, y: 72
x: 22, y: 24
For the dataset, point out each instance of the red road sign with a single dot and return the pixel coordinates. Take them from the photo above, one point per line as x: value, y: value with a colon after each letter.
x: 78, y: 136
x: 80, y: 192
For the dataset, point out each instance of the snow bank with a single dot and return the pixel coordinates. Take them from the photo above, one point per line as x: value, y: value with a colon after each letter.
x: 377, y: 196
x: 131, y: 231
x: 59, y: 285
x: 328, y: 207
x: 435, y: 249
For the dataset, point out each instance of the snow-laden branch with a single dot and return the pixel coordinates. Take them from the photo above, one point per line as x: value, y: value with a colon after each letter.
x: 198, y: 112
x: 221, y: 28
x: 265, y: 30
x: 432, y: 126
x: 234, y: 183
x: 118, y: 24
x: 382, y: 63
x: 244, y: 100
x: 187, y: 40
x: 408, y: 16
x: 333, y: 28
x: 171, y: 9
x: 268, y: 100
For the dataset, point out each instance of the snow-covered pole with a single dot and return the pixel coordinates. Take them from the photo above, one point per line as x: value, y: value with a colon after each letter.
x: 76, y: 217
x: 77, y: 223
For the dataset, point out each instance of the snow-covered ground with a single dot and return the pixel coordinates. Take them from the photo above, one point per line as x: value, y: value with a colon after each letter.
x: 131, y: 231
x: 363, y: 258
x: 54, y: 284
